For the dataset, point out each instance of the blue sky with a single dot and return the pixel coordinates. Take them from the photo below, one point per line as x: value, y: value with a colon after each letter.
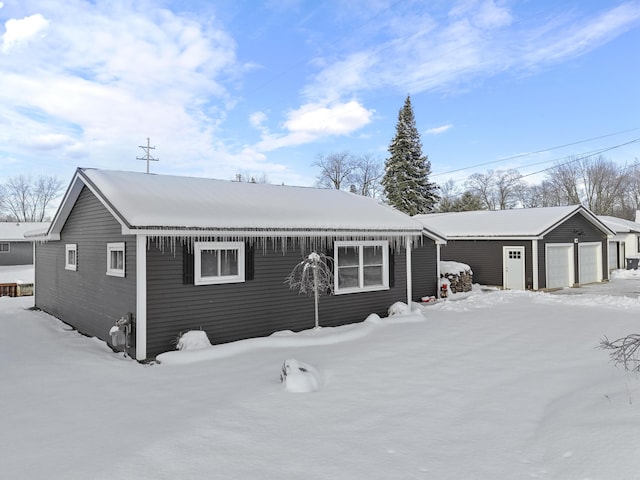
x: 262, y: 88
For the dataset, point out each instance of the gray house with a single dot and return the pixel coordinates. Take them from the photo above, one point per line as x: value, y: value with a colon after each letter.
x: 528, y: 248
x: 181, y: 253
x: 15, y: 249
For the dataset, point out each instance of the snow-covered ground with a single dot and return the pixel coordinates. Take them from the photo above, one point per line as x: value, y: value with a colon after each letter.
x: 498, y: 385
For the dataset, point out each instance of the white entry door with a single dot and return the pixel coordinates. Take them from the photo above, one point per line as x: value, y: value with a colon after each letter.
x: 513, y: 268
x: 559, y: 265
x: 590, y: 262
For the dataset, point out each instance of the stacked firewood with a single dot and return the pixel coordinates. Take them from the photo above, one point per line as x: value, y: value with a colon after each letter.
x: 460, y: 282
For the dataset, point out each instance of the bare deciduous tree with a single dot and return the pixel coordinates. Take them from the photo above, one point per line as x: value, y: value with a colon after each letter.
x: 564, y: 178
x: 483, y: 185
x: 366, y: 175
x: 335, y: 170
x: 498, y: 189
x: 604, y: 185
x: 624, y: 351
x: 342, y: 171
x: 27, y: 200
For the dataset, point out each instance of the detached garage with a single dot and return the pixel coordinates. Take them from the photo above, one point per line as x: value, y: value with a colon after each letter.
x: 527, y: 248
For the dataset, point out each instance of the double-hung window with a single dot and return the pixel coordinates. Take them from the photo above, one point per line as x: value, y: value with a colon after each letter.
x: 361, y: 266
x: 218, y: 262
x: 4, y: 247
x: 71, y: 256
x: 115, y: 259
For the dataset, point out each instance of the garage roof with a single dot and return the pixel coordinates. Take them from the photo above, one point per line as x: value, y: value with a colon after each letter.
x: 515, y: 223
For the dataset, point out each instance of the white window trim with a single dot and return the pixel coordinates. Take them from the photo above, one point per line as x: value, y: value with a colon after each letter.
x: 198, y: 247
x: 70, y: 247
x: 115, y: 247
x: 364, y: 243
x: 8, y: 250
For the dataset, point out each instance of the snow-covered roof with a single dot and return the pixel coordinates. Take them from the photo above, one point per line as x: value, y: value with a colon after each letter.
x: 15, y: 231
x: 620, y: 225
x: 164, y: 204
x: 516, y: 223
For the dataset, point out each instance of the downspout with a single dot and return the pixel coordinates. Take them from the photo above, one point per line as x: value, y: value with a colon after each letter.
x: 534, y: 263
x: 409, y: 279
x: 438, y: 269
x: 141, y: 297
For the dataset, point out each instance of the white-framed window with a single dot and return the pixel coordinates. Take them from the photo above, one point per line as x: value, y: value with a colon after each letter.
x: 5, y: 247
x: 115, y: 259
x: 361, y: 266
x: 71, y: 256
x: 218, y: 262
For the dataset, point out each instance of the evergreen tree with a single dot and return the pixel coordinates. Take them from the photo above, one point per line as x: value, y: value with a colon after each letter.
x: 468, y: 201
x: 406, y: 178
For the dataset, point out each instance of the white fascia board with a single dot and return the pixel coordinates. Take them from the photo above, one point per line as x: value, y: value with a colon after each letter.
x: 528, y: 239
x: 169, y: 232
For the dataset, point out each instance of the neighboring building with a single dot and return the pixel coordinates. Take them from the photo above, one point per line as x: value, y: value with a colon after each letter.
x: 626, y: 242
x: 15, y: 249
x: 181, y: 253
x: 532, y: 248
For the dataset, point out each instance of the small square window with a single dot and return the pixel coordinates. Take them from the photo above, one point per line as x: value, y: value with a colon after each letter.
x: 71, y: 256
x: 4, y: 247
x: 218, y: 262
x: 115, y: 259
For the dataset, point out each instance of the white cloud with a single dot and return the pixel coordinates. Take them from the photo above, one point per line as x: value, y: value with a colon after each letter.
x: 257, y: 119
x: 313, y: 121
x: 107, y: 76
x: 18, y: 32
x: 438, y: 130
x: 51, y: 141
x: 490, y: 15
x: 570, y: 37
x: 477, y: 39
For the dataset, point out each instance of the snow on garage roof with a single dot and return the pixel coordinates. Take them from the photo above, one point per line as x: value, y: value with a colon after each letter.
x: 519, y: 222
x: 620, y: 225
x: 161, y: 203
x: 15, y: 231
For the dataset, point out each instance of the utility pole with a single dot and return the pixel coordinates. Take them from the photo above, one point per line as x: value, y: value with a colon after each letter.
x: 148, y: 156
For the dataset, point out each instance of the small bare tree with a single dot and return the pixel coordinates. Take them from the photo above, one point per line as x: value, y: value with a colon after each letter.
x: 312, y: 276
x: 335, y: 170
x: 624, y: 351
x: 366, y: 175
x: 27, y: 200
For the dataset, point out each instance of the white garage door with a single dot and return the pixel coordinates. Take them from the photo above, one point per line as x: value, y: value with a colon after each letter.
x: 589, y: 255
x: 559, y: 265
x: 613, y: 255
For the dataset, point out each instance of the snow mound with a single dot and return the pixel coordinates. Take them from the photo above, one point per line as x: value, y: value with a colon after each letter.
x: 453, y: 268
x: 193, y: 340
x: 299, y: 377
x: 398, y: 308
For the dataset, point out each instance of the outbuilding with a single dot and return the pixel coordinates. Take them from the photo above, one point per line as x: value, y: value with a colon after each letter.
x: 181, y: 253
x: 15, y: 249
x: 527, y: 248
x: 625, y: 244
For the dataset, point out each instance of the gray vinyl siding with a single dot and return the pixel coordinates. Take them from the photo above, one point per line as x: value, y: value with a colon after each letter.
x: 485, y: 258
x: 424, y: 259
x: 575, y: 227
x: 20, y: 253
x: 258, y: 307
x: 88, y: 299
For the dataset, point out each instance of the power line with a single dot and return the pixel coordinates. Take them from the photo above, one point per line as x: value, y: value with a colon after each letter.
x: 536, y: 152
